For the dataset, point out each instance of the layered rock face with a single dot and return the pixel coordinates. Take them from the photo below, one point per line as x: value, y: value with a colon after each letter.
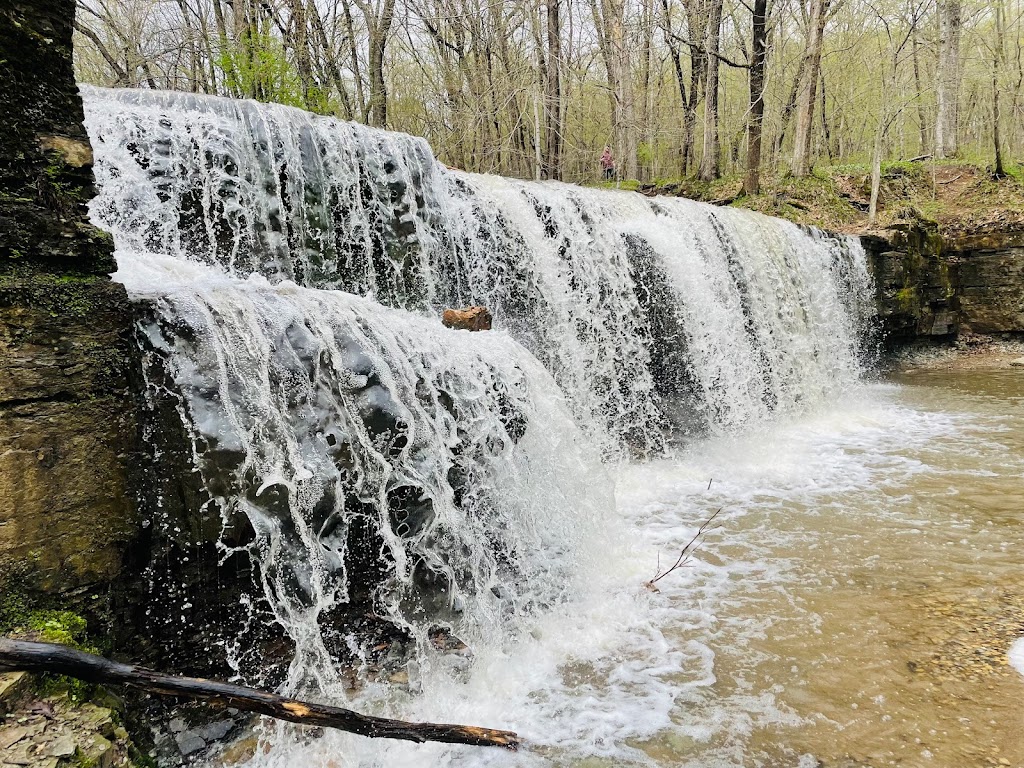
x: 67, y: 415
x: 989, y: 273
x: 933, y: 288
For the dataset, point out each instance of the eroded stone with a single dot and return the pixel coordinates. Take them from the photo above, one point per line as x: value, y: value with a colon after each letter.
x: 468, y: 319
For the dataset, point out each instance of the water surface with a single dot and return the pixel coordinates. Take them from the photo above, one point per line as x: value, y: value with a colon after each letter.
x: 854, y: 606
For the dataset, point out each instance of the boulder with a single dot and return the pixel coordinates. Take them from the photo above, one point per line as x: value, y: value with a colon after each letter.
x: 468, y: 319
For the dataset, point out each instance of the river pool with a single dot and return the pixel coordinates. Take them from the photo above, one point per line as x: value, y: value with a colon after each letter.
x: 854, y: 604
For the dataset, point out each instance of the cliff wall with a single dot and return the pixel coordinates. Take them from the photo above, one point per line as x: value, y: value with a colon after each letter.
x: 67, y: 367
x: 931, y: 287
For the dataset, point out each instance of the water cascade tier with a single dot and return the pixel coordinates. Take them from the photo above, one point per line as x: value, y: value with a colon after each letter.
x: 656, y: 317
x: 371, y: 457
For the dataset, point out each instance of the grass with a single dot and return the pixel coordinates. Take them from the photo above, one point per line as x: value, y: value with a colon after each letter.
x: 959, y: 196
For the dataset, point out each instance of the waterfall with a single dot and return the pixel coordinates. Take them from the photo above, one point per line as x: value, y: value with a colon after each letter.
x: 657, y: 317
x: 289, y: 271
x: 444, y: 465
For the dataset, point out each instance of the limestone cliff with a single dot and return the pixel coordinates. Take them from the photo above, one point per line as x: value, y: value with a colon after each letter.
x: 935, y: 287
x: 67, y: 419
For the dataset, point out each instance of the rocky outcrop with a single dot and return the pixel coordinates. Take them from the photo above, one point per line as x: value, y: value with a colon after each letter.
x: 989, y: 272
x: 55, y: 732
x: 935, y: 288
x: 67, y: 419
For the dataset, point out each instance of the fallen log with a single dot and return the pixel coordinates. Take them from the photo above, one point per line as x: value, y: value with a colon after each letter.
x: 22, y: 655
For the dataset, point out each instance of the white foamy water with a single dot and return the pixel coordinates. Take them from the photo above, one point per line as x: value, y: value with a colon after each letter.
x: 290, y: 270
x: 654, y: 316
x: 1016, y: 656
x: 746, y: 657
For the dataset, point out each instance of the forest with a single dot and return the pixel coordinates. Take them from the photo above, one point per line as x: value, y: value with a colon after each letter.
x: 675, y: 88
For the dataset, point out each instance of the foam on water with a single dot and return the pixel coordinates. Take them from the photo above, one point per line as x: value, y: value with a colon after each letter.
x: 622, y: 676
x: 292, y: 268
x: 1016, y: 655
x: 312, y: 410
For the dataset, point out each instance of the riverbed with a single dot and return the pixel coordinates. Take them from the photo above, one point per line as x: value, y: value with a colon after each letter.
x: 853, y: 603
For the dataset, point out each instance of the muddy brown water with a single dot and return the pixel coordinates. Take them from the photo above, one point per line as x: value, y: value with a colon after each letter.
x: 900, y: 589
x: 853, y: 607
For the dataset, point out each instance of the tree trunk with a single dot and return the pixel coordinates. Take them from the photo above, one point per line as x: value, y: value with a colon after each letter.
x: 380, y: 29
x: 330, y: 66
x: 709, y: 162
x: 997, y: 65
x: 245, y: 41
x: 759, y: 51
x: 553, y: 100
x: 922, y: 122
x: 876, y: 170
x: 353, y: 56
x: 677, y: 68
x: 611, y: 32
x: 62, y: 660
x: 801, y: 165
x: 301, y: 47
x: 948, y: 79
x: 788, y: 110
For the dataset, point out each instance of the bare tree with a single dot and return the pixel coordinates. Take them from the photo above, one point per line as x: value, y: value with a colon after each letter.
x: 553, y: 100
x: 526, y: 86
x: 759, y: 56
x: 948, y: 79
x: 998, y: 63
x: 801, y: 164
x: 609, y: 19
x: 378, y: 25
x: 709, y: 163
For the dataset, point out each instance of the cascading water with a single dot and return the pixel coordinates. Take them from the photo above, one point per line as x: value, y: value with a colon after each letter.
x: 438, y: 478
x: 633, y: 305
x: 442, y: 465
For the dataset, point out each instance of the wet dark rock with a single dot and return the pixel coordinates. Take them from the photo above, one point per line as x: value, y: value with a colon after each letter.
x: 443, y: 640
x: 189, y: 742
x: 216, y: 730
x: 664, y: 337
x: 934, y: 288
x: 45, y: 160
x: 68, y: 370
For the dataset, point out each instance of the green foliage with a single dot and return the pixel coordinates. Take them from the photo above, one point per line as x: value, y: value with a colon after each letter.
x: 644, y: 153
x: 258, y: 67
x: 64, y: 627
x: 1015, y: 172
x: 22, y: 613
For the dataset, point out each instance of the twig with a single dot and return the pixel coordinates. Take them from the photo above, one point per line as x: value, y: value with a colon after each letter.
x: 684, y: 555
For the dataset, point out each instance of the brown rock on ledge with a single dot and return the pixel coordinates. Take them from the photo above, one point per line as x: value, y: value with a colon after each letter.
x: 468, y: 319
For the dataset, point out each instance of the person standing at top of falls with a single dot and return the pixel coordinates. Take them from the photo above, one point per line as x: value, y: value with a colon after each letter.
x: 607, y: 163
